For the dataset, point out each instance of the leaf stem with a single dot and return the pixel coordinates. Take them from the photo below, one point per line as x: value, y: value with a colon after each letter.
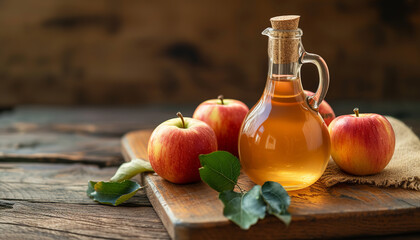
x: 242, y: 191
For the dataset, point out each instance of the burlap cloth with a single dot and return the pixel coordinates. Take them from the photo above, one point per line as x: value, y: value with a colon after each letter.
x: 403, y: 170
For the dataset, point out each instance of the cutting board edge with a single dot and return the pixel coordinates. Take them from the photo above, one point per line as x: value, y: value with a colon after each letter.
x: 127, y: 153
x: 184, y: 230
x: 296, y: 217
x: 152, y: 194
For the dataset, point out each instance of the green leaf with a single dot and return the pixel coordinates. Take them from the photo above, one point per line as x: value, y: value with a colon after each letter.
x: 243, y: 209
x: 220, y: 170
x: 254, y: 203
x: 285, y: 217
x: 130, y: 169
x: 112, y: 193
x: 91, y: 188
x: 277, y: 200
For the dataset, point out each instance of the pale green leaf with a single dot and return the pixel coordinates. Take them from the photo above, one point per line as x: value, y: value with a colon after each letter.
x: 130, y: 169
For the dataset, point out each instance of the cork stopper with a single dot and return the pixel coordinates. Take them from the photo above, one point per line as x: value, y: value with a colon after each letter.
x: 287, y: 22
x: 284, y: 47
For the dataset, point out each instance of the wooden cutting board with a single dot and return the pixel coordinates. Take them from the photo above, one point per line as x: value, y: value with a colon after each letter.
x: 193, y: 211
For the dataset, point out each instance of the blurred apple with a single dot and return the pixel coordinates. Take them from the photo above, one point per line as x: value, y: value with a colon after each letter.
x: 225, y: 117
x: 326, y: 111
x: 174, y: 147
x: 361, y: 144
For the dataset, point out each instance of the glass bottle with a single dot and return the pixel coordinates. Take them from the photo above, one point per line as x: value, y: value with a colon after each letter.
x: 283, y: 138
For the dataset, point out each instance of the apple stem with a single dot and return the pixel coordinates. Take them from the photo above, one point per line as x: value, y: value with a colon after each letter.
x: 220, y: 97
x: 356, y: 111
x: 182, y: 118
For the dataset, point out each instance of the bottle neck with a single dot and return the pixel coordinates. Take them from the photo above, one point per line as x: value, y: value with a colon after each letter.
x: 287, y: 70
x: 284, y: 51
x: 283, y: 82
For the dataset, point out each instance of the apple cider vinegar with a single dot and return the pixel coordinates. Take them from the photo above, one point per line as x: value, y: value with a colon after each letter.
x: 283, y: 138
x: 292, y: 150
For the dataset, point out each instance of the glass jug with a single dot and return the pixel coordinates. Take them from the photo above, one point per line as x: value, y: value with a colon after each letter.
x: 283, y: 138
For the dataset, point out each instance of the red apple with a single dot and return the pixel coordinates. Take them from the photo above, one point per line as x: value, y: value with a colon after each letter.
x: 174, y: 147
x: 361, y: 144
x: 225, y: 116
x: 325, y: 110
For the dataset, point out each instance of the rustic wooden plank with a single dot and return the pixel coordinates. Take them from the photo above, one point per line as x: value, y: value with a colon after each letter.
x: 49, y: 201
x: 193, y: 210
x: 59, y: 147
x: 73, y: 134
x: 98, y: 121
x: 27, y: 220
x: 54, y: 183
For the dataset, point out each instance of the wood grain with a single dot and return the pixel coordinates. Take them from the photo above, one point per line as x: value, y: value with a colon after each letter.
x: 94, y: 121
x: 27, y: 220
x: 68, y: 135
x: 59, y: 147
x: 48, y: 201
x: 194, y: 211
x: 54, y: 183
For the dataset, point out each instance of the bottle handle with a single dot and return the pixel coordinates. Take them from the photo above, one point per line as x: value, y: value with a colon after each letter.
x: 324, y: 79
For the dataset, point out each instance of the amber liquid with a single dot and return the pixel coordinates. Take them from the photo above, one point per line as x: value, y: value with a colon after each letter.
x: 282, y: 139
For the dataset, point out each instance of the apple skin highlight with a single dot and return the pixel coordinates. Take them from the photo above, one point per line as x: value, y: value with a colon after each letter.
x: 362, y: 145
x: 225, y: 119
x: 173, y: 150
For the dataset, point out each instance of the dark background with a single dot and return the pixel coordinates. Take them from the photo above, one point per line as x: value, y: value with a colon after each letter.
x: 103, y: 52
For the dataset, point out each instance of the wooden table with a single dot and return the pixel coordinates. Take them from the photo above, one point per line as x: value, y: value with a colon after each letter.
x: 48, y: 154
